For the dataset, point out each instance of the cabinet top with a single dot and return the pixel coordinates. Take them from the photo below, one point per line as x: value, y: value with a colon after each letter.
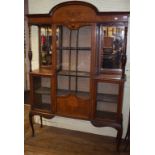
x: 76, y: 11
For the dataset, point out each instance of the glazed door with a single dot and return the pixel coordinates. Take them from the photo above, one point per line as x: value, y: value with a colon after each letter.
x: 41, y: 88
x: 73, y: 70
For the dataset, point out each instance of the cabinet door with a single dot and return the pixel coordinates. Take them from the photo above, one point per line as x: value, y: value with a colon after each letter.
x: 73, y: 67
x: 107, y: 100
x: 41, y: 93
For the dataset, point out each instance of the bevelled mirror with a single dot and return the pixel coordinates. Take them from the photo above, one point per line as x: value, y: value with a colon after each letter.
x: 111, y: 46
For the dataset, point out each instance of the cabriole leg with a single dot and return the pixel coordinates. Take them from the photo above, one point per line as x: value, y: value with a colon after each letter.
x: 41, y: 122
x: 31, y: 123
x: 119, y: 138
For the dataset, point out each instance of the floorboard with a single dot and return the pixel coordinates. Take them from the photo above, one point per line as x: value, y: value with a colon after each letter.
x: 57, y: 141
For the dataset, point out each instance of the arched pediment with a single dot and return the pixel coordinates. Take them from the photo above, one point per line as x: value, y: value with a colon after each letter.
x: 73, y: 11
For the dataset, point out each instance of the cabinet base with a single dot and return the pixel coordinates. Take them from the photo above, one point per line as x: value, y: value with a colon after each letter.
x: 97, y: 123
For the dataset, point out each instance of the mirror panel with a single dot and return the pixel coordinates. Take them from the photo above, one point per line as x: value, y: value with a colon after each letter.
x: 45, y: 46
x: 111, y: 46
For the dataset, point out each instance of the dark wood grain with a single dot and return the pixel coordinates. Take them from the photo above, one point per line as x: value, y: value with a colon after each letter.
x: 83, y: 105
x: 69, y: 12
x: 73, y: 106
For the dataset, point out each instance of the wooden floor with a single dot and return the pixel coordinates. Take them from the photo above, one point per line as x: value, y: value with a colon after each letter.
x: 56, y: 141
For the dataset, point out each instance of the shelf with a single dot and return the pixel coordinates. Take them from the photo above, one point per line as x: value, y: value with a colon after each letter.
x: 43, y: 90
x: 74, y: 48
x: 74, y: 73
x: 84, y: 95
x: 42, y: 106
x: 62, y: 92
x: 111, y: 71
x: 100, y: 97
x: 107, y: 98
x: 42, y: 72
x: 109, y: 77
x: 46, y: 66
x: 105, y: 115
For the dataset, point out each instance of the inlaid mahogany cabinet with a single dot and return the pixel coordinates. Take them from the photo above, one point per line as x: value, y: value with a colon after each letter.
x: 82, y: 57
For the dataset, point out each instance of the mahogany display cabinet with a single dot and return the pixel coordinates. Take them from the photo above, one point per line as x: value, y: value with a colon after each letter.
x: 82, y: 54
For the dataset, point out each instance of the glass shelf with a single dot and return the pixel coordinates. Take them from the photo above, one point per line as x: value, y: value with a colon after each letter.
x: 73, y: 73
x: 74, y: 48
x: 43, y: 90
x: 110, y: 98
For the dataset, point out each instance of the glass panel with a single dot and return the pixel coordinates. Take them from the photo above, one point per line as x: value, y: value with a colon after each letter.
x: 111, y: 46
x: 42, y: 93
x: 45, y: 49
x: 107, y: 99
x: 73, y: 60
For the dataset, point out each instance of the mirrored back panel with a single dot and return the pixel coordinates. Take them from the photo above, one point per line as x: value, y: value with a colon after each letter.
x: 111, y: 46
x: 45, y: 39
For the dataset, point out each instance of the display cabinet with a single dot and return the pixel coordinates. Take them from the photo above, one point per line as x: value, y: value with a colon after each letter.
x: 82, y: 57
